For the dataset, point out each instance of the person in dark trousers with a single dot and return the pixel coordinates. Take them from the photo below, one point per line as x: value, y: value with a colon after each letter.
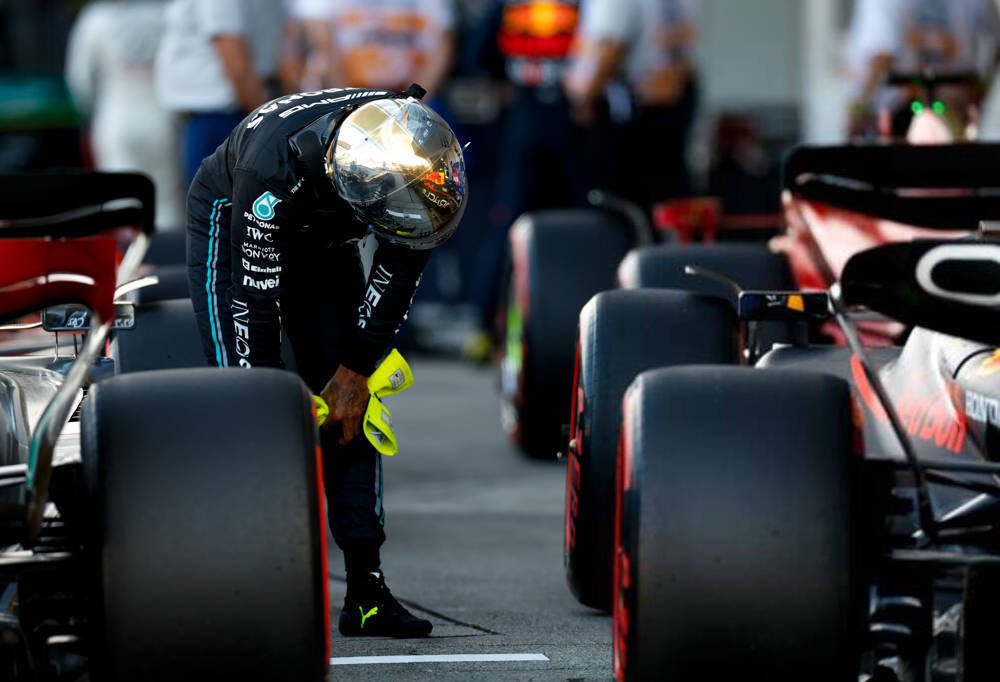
x: 216, y: 61
x: 648, y: 47
x: 544, y: 160
x: 316, y: 217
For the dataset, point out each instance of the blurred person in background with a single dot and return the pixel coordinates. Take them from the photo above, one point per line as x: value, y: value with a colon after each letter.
x: 385, y: 45
x: 874, y: 39
x: 943, y: 36
x: 743, y: 173
x: 649, y: 44
x: 218, y: 60
x: 542, y: 161
x: 304, y: 52
x: 109, y: 70
x: 952, y: 36
x: 382, y: 44
x: 989, y: 125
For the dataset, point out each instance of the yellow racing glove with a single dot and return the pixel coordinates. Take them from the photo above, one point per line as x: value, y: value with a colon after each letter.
x: 392, y: 376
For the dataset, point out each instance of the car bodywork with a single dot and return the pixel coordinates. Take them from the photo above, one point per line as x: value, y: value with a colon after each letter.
x: 853, y: 199
x: 56, y: 249
x: 940, y: 276
x: 118, y: 559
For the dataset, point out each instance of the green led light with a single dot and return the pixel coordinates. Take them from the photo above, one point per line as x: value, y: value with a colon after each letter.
x: 916, y: 106
x: 938, y: 107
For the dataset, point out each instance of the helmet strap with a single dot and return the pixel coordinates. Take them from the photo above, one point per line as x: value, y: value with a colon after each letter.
x: 414, y: 91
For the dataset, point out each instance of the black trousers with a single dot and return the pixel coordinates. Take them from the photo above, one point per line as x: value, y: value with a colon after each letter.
x: 544, y: 162
x: 321, y: 287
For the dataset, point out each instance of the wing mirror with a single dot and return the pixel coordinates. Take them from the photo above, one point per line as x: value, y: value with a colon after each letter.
x: 74, y: 317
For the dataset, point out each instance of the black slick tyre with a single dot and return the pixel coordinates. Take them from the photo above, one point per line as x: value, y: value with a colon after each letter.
x: 165, y: 337
x: 734, y: 555
x: 206, y: 552
x: 167, y: 248
x: 751, y: 266
x: 661, y: 266
x: 623, y: 333
x: 559, y: 260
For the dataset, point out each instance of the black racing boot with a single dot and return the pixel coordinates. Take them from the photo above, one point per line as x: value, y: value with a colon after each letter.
x: 370, y: 610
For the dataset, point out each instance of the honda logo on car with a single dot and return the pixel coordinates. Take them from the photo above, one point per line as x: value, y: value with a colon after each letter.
x: 982, y: 408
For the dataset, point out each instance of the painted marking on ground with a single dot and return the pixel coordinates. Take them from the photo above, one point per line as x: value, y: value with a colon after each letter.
x: 438, y: 658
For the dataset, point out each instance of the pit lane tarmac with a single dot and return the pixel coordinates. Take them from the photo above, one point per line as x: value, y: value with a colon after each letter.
x: 474, y: 544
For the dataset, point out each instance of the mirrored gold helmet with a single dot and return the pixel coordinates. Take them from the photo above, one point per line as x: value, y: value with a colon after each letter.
x: 400, y: 167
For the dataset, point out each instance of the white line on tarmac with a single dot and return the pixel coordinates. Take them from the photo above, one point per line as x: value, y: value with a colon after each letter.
x: 436, y: 658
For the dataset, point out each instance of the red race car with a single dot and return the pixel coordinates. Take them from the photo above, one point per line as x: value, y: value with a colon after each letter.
x: 809, y: 511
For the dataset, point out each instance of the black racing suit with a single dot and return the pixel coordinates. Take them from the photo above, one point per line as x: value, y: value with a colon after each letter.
x: 272, y: 248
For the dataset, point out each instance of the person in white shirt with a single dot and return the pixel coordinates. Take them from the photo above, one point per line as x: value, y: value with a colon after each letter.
x: 218, y: 60
x: 109, y: 71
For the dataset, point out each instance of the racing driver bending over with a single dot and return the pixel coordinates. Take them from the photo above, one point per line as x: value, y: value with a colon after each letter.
x: 316, y: 217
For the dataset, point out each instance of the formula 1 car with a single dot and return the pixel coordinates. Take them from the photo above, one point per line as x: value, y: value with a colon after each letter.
x: 786, y: 526
x: 622, y: 333
x: 154, y: 525
x: 812, y: 512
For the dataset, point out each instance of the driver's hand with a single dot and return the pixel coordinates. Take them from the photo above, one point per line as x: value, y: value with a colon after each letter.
x: 347, y: 396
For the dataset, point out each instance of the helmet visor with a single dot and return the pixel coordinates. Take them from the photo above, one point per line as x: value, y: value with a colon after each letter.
x: 400, y: 167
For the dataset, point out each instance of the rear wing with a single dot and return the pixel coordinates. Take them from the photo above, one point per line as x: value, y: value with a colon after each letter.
x: 69, y: 204
x: 51, y: 246
x: 947, y: 187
